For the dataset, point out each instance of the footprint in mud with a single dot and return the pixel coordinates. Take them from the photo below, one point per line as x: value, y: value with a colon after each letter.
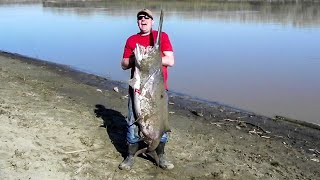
x: 3, y: 107
x: 87, y: 141
x: 18, y: 153
x: 2, y: 111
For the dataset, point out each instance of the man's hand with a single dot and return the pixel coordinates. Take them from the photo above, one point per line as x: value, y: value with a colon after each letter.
x: 168, y: 58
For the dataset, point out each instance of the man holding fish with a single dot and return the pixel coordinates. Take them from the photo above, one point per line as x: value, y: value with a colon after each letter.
x: 147, y: 119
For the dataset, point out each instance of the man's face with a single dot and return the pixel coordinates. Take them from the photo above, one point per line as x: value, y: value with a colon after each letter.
x: 144, y: 23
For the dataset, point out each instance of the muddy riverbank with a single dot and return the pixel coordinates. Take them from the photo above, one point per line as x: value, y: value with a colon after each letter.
x: 59, y: 123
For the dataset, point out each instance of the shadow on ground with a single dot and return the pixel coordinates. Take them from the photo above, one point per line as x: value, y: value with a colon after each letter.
x: 116, y: 126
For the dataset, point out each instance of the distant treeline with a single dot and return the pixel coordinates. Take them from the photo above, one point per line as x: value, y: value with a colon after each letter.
x: 149, y: 1
x: 169, y: 4
x: 163, y: 1
x: 304, y: 13
x: 297, y: 13
x: 19, y: 1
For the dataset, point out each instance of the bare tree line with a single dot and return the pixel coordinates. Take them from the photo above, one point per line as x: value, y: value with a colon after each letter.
x: 294, y: 12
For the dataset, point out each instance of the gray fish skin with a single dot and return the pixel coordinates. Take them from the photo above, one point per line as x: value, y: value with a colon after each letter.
x: 150, y: 97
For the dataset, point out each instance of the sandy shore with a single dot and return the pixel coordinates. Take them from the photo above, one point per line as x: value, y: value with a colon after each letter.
x: 58, y: 123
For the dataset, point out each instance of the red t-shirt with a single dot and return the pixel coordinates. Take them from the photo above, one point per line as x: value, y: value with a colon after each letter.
x: 148, y: 41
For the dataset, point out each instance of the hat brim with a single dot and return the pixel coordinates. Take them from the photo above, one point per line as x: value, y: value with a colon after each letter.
x: 145, y: 13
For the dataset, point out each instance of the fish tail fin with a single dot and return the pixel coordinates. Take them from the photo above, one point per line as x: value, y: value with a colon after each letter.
x: 152, y: 154
x: 155, y: 156
x: 151, y: 150
x: 144, y: 150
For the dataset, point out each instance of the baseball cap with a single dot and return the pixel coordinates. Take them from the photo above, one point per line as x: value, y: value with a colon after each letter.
x: 145, y: 11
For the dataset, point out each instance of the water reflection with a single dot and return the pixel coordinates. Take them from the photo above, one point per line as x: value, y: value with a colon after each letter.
x: 301, y: 14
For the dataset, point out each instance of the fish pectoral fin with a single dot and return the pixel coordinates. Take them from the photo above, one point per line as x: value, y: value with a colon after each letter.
x: 137, y: 53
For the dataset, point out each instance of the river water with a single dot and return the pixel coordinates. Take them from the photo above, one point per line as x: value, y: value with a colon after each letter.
x: 259, y: 57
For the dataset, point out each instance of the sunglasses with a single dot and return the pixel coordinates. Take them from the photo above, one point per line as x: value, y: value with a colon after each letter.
x: 143, y: 16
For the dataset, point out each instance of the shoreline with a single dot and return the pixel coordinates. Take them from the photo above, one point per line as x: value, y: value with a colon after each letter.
x: 51, y: 115
x: 109, y: 84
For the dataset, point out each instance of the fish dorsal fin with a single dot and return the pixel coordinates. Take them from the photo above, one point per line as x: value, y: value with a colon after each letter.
x: 132, y: 82
x: 157, y: 45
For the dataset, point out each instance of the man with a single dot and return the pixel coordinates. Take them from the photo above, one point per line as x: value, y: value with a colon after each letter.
x: 146, y: 37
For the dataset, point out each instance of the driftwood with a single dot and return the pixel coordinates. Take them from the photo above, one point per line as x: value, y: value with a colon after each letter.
x: 82, y: 150
x: 259, y: 127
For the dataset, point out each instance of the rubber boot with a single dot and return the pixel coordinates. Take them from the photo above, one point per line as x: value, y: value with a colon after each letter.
x: 129, y: 161
x: 163, y: 163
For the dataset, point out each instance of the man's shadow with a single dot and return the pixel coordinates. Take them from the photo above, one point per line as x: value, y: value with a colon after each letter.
x: 116, y: 126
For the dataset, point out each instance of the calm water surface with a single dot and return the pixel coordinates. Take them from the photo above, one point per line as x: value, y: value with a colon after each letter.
x: 261, y: 58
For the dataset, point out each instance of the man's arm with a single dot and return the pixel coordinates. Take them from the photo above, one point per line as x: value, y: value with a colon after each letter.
x: 168, y: 58
x: 127, y: 63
